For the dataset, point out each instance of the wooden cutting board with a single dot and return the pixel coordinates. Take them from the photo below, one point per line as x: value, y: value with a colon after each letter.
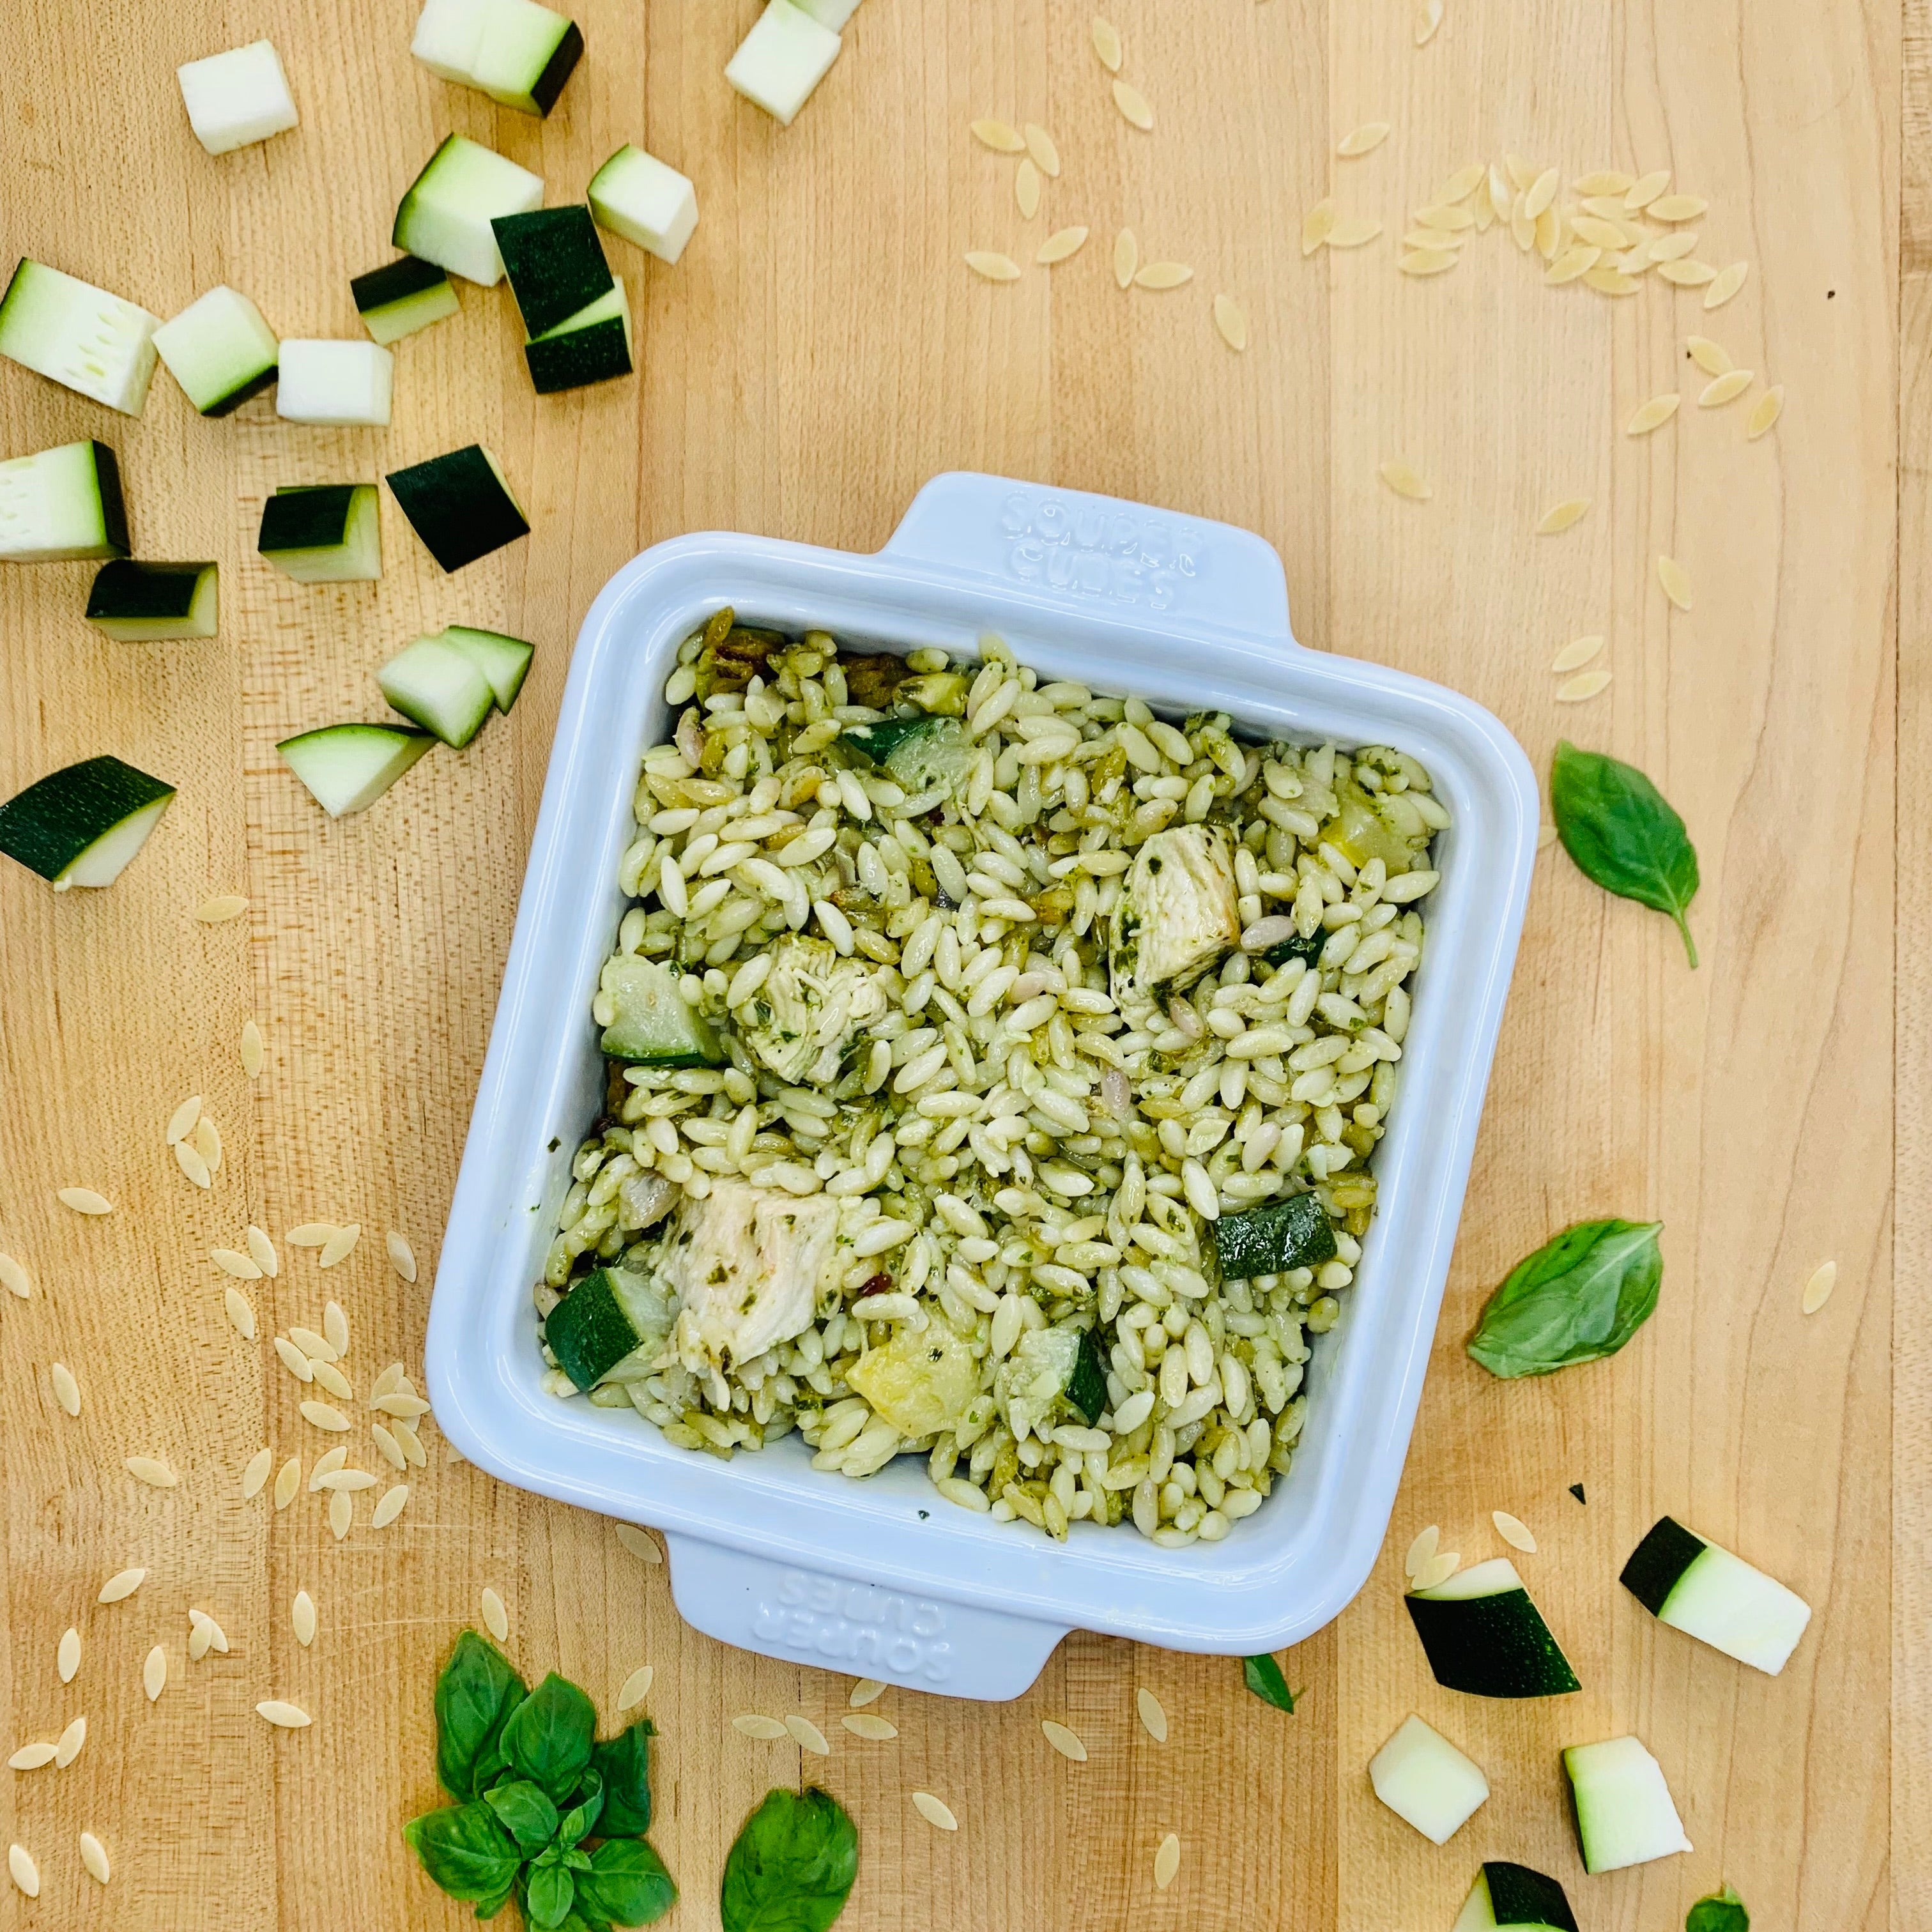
x: 821, y: 350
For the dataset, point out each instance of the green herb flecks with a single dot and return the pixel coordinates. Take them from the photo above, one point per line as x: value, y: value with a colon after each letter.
x: 1262, y: 1675
x: 790, y: 1869
x: 539, y: 1788
x: 1722, y: 1912
x: 1624, y: 834
x: 1578, y: 1298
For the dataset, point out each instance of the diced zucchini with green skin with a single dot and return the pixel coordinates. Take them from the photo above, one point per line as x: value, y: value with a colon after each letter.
x: 592, y: 345
x: 504, y: 661
x: 435, y: 685
x: 783, y: 57
x: 459, y: 505
x: 1087, y: 1389
x: 79, y: 336
x: 637, y: 195
x: 401, y: 297
x: 445, y: 216
x: 324, y: 533
x: 347, y: 767
x: 1513, y: 1898
x: 516, y: 51
x: 920, y: 1381
x: 554, y: 263
x: 237, y: 98
x: 1178, y: 915
x: 1624, y: 1812
x: 921, y: 754
x: 1295, y: 1232
x: 219, y: 350
x: 1424, y: 1780
x: 342, y: 384
x: 62, y: 503
x: 80, y: 826
x: 1031, y: 1381
x: 142, y: 603
x: 1702, y: 1590
x: 608, y: 1318
x: 652, y: 1023
x: 1482, y: 1635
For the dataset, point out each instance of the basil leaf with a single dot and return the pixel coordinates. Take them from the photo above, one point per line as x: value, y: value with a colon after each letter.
x: 626, y: 1884
x: 552, y: 1890
x: 1262, y: 1675
x: 1722, y: 1912
x: 489, y: 1907
x: 576, y: 1822
x: 476, y: 1694
x: 576, y: 1860
x: 1623, y: 833
x: 1578, y: 1298
x: 790, y: 1869
x: 526, y: 1814
x: 464, y: 1850
x: 1087, y: 1387
x: 624, y: 1764
x: 548, y: 1737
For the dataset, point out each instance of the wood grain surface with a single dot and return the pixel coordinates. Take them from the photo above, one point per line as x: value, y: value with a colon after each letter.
x: 821, y: 350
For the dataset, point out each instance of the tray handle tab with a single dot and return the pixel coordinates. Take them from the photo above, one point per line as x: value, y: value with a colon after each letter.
x: 808, y: 1616
x: 1101, y: 553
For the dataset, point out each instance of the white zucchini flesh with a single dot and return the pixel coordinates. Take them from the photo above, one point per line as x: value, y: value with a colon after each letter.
x: 435, y: 685
x: 445, y: 216
x: 347, y: 767
x: 1422, y: 1778
x: 79, y: 336
x: 637, y: 195
x: 219, y: 349
x: 235, y: 99
x: 81, y: 826
x: 1624, y: 1813
x: 784, y: 56
x: 1725, y: 1602
x: 62, y: 503
x: 335, y: 383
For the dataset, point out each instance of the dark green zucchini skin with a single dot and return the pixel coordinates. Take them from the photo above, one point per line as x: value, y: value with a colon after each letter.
x: 1292, y: 1233
x: 554, y: 263
x: 307, y: 517
x: 124, y: 589
x: 1495, y: 1646
x: 1520, y: 1897
x: 588, y: 1331
x: 561, y: 65
x: 50, y: 824
x: 394, y: 282
x: 580, y: 357
x: 1657, y: 1564
x: 455, y: 504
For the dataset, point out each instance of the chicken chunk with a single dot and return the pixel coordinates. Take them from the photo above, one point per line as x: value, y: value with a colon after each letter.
x: 812, y: 1003
x: 746, y: 1264
x: 1179, y: 914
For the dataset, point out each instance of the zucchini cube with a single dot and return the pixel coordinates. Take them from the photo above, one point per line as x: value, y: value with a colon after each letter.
x: 401, y: 297
x: 637, y: 195
x: 235, y: 99
x: 445, y: 214
x: 518, y: 53
x: 459, y: 505
x: 62, y: 502
x: 341, y: 383
x: 554, y: 261
x: 784, y: 56
x: 323, y: 533
x: 143, y: 603
x: 219, y: 350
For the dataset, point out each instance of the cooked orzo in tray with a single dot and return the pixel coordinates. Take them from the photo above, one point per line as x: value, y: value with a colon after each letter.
x: 995, y: 1072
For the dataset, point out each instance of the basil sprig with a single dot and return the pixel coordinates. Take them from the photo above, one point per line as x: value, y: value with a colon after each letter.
x: 790, y: 1869
x: 537, y: 1786
x: 1578, y: 1298
x: 1623, y: 833
x: 1262, y: 1675
x: 1722, y: 1912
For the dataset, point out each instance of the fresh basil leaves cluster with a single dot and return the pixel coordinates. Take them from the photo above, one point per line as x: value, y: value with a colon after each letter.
x: 1623, y: 833
x: 544, y: 1813
x: 1262, y: 1675
x: 1722, y: 1912
x: 790, y: 1869
x: 1577, y: 1299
